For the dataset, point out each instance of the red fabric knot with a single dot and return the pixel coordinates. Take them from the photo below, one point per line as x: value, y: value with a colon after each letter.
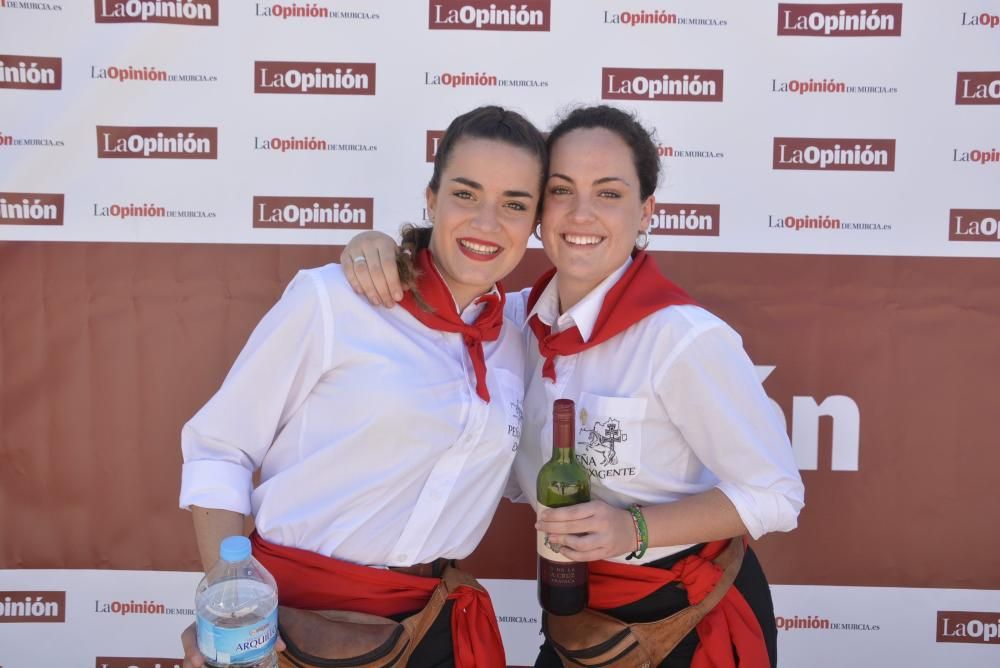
x: 699, y: 577
x: 475, y: 635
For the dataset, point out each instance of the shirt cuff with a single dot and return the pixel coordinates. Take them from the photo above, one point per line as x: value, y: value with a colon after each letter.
x: 215, y: 484
x: 761, y: 512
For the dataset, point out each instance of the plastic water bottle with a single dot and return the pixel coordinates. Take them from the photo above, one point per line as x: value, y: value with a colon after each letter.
x: 237, y: 608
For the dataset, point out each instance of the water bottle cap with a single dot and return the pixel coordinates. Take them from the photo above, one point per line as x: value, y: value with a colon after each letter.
x: 234, y: 548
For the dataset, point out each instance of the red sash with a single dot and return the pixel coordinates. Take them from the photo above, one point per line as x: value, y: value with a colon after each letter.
x: 730, y: 624
x: 313, y: 582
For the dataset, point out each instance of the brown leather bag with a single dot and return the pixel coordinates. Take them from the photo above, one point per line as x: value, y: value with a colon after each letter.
x: 340, y: 639
x: 592, y: 638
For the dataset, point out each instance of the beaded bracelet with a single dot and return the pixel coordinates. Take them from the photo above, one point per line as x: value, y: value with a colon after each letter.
x: 641, y: 532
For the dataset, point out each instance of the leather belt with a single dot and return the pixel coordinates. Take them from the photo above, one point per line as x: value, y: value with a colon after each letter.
x: 432, y: 569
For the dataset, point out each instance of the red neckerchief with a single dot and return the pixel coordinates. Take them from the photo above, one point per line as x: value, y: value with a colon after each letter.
x: 443, y: 317
x: 310, y: 581
x: 641, y: 290
x: 730, y: 624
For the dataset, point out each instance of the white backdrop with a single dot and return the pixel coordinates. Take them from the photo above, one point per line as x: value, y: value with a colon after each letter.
x: 145, y: 74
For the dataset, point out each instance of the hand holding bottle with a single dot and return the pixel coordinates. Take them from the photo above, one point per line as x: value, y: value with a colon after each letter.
x: 561, y: 482
x: 236, y: 608
x: 193, y: 658
x: 588, y: 531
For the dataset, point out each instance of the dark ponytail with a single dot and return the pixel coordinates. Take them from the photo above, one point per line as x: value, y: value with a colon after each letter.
x: 414, y: 238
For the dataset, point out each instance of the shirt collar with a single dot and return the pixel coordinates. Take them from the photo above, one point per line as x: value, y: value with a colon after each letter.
x: 475, y: 307
x: 583, y: 314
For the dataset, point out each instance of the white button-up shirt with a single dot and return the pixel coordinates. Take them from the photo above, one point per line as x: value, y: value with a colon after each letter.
x: 668, y: 408
x: 372, y: 444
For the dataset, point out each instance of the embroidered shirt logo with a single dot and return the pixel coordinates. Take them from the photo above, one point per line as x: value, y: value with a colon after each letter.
x: 514, y: 429
x: 598, y: 448
x: 602, y: 440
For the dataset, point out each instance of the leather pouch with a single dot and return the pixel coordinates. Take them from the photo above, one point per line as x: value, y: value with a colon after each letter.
x: 340, y: 639
x: 591, y: 638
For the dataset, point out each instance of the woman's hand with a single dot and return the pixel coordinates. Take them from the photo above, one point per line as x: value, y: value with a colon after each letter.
x: 193, y: 658
x: 369, y: 262
x: 588, y: 531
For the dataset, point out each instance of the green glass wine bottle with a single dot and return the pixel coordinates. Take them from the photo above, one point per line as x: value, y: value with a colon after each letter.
x: 562, y: 481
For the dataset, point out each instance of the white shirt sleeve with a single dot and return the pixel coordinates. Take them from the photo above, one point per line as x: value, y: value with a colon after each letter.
x: 712, y: 394
x: 512, y: 491
x: 225, y: 442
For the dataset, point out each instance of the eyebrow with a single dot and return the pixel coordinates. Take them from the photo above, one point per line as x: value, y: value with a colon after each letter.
x: 478, y: 186
x: 597, y: 182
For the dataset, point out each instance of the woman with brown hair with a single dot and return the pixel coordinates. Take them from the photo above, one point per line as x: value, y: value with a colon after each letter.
x: 381, y: 437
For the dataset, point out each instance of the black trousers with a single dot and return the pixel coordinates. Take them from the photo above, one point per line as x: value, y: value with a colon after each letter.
x: 750, y: 582
x: 435, y: 650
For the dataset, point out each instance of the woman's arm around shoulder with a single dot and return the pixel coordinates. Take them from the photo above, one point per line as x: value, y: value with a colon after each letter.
x: 369, y: 263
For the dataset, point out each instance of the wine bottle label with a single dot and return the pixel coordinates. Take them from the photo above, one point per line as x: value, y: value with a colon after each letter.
x: 562, y: 573
x: 544, y: 548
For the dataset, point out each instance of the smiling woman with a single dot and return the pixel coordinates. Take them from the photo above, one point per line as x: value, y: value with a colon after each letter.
x: 593, y: 212
x: 363, y: 504
x: 481, y: 229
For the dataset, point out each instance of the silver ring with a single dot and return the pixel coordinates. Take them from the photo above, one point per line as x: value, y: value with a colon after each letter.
x: 359, y: 259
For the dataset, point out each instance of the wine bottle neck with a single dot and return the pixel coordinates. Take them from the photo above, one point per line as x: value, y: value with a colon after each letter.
x: 562, y: 433
x: 563, y: 455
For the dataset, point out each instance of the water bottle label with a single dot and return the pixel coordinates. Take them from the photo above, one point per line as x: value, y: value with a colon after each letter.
x: 241, y: 644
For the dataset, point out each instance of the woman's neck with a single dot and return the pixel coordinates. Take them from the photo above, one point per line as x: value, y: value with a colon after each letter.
x: 571, y: 294
x: 462, y: 295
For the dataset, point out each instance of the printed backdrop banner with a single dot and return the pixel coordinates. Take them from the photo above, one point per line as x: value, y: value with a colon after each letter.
x: 830, y: 188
